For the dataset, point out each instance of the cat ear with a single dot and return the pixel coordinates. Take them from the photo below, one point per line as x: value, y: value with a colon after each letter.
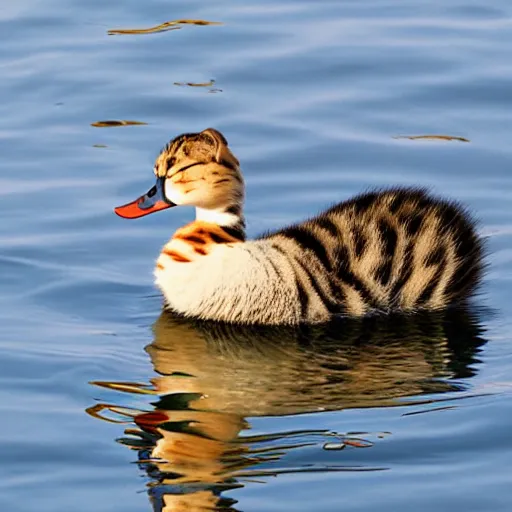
x: 222, y: 153
x: 216, y: 136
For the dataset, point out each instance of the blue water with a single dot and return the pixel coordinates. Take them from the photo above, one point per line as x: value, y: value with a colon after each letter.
x: 311, y: 96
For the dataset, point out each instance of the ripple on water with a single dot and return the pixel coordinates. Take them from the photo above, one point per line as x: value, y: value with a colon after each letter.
x: 312, y: 95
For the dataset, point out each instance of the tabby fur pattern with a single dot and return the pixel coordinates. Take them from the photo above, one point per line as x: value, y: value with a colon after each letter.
x: 393, y: 250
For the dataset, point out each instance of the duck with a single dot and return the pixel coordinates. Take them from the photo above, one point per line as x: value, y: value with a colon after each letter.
x: 397, y: 249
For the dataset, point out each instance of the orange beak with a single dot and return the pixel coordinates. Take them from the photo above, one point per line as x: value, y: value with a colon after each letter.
x: 153, y: 201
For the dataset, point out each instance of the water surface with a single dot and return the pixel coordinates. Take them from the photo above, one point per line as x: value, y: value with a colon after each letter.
x: 311, y: 96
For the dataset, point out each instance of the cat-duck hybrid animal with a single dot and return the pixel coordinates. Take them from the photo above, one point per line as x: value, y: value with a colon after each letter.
x: 397, y: 249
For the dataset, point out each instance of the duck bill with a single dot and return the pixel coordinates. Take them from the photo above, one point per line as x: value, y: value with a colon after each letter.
x: 153, y: 201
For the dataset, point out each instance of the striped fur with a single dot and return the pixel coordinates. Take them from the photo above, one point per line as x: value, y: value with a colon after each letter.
x: 392, y: 250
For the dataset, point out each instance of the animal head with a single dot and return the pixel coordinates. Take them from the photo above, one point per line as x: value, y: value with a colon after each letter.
x: 196, y: 169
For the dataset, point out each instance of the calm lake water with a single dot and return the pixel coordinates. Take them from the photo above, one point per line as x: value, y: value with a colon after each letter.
x: 390, y: 415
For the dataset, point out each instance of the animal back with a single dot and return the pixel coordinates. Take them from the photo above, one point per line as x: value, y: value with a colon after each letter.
x: 393, y: 250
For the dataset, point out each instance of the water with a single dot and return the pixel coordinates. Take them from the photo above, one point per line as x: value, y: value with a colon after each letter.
x: 311, y: 96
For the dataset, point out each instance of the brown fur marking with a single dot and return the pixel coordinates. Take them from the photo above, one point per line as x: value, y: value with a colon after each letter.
x: 202, y: 236
x: 176, y: 256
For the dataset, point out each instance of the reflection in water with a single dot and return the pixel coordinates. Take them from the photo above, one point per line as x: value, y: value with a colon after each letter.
x: 195, y: 84
x: 163, y: 27
x: 431, y: 137
x: 209, y: 84
x: 112, y: 123
x: 212, y: 377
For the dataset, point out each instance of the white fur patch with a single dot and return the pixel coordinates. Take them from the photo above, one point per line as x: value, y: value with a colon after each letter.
x: 233, y: 283
x: 218, y: 217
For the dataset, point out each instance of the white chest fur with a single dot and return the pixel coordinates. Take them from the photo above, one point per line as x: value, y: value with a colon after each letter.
x: 244, y: 282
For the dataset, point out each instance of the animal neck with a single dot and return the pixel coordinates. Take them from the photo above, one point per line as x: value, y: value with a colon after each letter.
x: 229, y: 218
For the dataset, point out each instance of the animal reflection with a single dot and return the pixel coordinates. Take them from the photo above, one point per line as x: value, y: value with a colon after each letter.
x: 192, y: 439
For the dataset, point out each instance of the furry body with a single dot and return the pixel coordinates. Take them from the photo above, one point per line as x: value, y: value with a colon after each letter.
x: 393, y: 250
